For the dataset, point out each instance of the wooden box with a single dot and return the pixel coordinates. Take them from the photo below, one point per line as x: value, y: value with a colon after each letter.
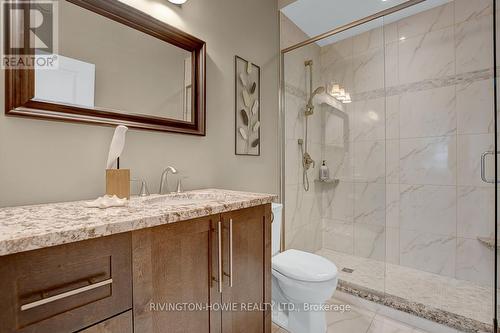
x: 118, y: 183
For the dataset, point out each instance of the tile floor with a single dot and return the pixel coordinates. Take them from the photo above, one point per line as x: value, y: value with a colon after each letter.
x: 360, y: 320
x: 457, y: 296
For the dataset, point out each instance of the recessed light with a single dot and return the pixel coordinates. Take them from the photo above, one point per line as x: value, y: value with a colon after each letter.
x: 402, y: 38
x: 177, y: 2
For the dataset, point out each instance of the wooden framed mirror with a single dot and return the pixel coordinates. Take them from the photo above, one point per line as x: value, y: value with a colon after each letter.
x: 115, y: 66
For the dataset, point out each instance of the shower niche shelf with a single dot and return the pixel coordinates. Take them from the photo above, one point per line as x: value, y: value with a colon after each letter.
x: 488, y: 242
x: 327, y: 181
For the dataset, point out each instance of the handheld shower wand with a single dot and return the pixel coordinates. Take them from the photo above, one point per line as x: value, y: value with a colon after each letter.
x: 307, y: 160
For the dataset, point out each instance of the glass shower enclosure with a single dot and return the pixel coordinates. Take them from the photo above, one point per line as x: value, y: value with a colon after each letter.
x: 407, y: 125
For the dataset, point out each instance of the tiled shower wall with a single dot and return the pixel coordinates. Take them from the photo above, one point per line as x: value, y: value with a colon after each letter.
x: 303, y: 223
x: 408, y: 152
x: 410, y: 190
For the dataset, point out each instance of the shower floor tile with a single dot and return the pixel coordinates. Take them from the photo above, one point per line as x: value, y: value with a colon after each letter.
x: 459, y: 297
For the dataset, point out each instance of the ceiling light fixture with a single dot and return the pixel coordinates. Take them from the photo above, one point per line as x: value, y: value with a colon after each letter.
x: 177, y: 2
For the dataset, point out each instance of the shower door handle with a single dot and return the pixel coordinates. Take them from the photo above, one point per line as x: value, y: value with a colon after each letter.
x: 483, y: 167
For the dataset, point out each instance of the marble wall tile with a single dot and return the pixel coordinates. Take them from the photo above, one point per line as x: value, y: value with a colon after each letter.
x: 428, y: 252
x: 333, y: 52
x: 369, y: 161
x: 474, y: 262
x: 391, y: 32
x: 293, y: 163
x: 338, y: 127
x: 301, y: 208
x: 371, y: 39
x: 294, y: 119
x: 338, y: 202
x: 429, y: 209
x: 368, y: 70
x: 305, y: 238
x: 392, y: 245
x: 428, y: 113
x: 369, y: 203
x: 315, y: 126
x: 369, y: 120
x: 391, y: 64
x: 392, y: 162
x: 469, y: 159
x: 474, y: 45
x: 392, y: 211
x: 428, y: 161
x: 341, y: 72
x: 369, y: 241
x: 338, y: 236
x: 475, y: 107
x: 427, y: 56
x: 392, y: 108
x: 475, y: 213
x: 339, y: 161
x: 424, y: 22
x: 467, y: 10
x: 334, y: 131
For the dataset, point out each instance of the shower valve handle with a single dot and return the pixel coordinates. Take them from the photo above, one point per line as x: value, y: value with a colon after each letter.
x: 308, y: 161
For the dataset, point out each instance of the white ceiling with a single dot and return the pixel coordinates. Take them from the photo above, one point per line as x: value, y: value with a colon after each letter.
x: 315, y: 17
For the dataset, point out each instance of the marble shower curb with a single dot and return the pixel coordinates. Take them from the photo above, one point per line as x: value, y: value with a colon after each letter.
x: 452, y: 320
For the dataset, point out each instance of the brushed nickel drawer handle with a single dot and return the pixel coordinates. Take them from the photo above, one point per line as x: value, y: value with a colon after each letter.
x: 65, y: 295
x: 219, y: 241
x: 231, y: 252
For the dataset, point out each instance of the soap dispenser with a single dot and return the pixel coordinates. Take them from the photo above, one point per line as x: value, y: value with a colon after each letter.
x: 324, y: 172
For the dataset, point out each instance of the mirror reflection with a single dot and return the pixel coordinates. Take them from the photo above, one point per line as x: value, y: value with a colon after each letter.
x: 106, y: 65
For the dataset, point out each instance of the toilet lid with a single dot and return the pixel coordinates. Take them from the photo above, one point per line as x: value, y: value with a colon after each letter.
x: 304, y: 266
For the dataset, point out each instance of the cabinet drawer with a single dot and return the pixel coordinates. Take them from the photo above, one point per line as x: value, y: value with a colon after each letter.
x: 66, y: 288
x: 119, y: 324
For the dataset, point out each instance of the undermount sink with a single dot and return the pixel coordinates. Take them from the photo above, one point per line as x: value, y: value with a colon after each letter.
x: 183, y: 198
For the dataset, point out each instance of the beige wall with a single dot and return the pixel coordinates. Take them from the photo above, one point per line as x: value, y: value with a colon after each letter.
x: 46, y: 161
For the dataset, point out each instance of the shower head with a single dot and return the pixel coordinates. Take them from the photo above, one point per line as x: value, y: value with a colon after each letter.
x: 310, y: 106
x: 319, y: 90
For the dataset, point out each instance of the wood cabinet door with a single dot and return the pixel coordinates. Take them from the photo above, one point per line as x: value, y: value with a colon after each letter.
x: 247, y: 270
x: 173, y: 270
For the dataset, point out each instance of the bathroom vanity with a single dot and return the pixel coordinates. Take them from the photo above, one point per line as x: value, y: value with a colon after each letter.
x: 161, y: 264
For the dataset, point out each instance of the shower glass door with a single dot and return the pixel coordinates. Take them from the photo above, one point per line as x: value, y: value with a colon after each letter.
x: 409, y: 216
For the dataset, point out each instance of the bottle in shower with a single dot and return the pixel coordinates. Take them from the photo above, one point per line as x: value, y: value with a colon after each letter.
x: 324, y: 172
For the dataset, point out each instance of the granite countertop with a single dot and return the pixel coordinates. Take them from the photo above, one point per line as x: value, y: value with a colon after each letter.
x: 34, y: 227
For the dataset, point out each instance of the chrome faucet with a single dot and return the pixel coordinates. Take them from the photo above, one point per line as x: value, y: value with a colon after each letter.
x: 144, y: 192
x: 164, y: 178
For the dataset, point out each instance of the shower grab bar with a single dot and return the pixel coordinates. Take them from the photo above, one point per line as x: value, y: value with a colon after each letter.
x: 483, y: 167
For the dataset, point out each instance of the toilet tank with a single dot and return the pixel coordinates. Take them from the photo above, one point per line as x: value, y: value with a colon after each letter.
x: 276, y: 228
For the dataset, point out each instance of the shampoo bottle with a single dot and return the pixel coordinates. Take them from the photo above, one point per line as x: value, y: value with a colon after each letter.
x: 324, y: 172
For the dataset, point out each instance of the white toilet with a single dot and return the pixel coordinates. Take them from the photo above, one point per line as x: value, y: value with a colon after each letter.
x: 302, y: 282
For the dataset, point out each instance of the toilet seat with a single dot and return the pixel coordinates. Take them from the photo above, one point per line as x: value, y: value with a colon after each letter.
x: 303, y: 266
